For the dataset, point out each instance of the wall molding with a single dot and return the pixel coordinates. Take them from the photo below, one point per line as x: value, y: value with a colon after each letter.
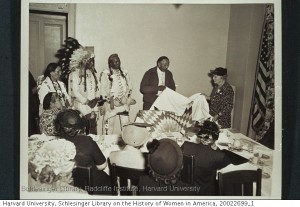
x: 59, y: 7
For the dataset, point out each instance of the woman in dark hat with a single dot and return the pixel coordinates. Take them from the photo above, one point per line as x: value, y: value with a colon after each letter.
x: 70, y: 124
x: 221, y: 98
x: 165, y: 161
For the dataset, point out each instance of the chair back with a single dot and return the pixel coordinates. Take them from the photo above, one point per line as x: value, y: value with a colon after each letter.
x: 82, y: 177
x: 240, y: 183
x: 188, y: 171
x: 124, y: 180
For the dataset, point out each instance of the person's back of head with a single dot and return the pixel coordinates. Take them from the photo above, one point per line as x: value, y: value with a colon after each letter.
x: 69, y: 123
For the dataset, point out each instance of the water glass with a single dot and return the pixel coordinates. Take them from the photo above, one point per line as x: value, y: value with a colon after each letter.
x: 179, y: 141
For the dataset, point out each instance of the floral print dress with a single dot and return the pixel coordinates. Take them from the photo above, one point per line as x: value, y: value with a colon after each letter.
x: 221, y: 104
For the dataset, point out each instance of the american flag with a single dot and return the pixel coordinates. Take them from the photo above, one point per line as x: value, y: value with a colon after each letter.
x: 264, y: 85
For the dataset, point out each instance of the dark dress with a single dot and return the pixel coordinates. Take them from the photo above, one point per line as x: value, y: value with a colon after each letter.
x: 149, y: 86
x: 89, y: 154
x: 221, y: 103
x: 207, y: 162
x: 148, y: 187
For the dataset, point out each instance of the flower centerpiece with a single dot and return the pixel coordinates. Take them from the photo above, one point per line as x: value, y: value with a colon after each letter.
x: 51, y: 161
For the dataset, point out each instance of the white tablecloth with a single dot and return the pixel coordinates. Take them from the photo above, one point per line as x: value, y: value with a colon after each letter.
x: 109, y: 143
x: 248, y: 145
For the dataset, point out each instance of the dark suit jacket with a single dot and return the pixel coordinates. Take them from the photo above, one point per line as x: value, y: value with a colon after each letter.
x: 207, y: 162
x: 149, y: 84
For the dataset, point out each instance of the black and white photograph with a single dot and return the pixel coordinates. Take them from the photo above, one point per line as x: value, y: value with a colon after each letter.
x: 160, y: 99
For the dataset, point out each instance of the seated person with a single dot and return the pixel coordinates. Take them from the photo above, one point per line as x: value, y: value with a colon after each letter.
x: 208, y: 157
x: 134, y: 135
x: 165, y: 161
x: 51, y: 106
x: 70, y: 125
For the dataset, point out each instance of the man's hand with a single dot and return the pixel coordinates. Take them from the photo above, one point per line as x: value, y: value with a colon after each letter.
x: 161, y: 88
x: 92, y: 103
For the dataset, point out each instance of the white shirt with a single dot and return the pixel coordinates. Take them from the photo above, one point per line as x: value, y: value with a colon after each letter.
x: 47, y: 86
x: 161, y: 79
x: 79, y: 94
x: 130, y: 157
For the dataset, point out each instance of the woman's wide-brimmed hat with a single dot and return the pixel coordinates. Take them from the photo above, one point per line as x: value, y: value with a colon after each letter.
x: 219, y: 71
x: 135, y: 134
x: 71, y: 119
x: 165, y: 159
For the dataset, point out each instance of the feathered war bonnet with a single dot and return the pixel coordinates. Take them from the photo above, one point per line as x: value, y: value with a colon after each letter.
x: 74, y: 56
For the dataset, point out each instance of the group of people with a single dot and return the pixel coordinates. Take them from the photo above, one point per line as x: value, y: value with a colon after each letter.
x: 110, y: 94
x: 162, y: 163
x: 71, y: 109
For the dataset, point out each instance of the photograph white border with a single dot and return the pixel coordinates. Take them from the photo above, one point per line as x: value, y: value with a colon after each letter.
x: 277, y: 167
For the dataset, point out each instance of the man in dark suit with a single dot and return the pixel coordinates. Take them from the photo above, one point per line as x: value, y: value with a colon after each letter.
x: 155, y: 80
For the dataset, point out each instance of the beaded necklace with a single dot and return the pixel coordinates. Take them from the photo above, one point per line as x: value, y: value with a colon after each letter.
x: 59, y: 92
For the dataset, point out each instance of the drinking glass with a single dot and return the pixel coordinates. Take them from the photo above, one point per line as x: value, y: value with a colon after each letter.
x: 179, y: 141
x: 260, y: 161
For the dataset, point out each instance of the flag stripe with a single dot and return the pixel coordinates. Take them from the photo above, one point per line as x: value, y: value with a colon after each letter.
x: 263, y: 74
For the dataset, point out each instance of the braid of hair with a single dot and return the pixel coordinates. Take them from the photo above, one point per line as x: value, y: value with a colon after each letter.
x: 96, y: 81
x: 84, y: 79
x: 109, y: 77
x: 122, y: 74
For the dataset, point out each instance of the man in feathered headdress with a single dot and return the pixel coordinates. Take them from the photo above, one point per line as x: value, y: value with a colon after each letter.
x: 78, y: 69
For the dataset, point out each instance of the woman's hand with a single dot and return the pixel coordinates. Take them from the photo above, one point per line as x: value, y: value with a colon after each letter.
x: 207, y: 97
x: 161, y: 88
x: 215, y: 118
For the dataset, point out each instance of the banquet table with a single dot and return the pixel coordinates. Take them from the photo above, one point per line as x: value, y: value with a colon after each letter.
x: 248, y: 149
x: 109, y: 143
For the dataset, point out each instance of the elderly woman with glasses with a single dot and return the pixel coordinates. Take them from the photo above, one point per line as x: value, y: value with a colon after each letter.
x: 221, y: 98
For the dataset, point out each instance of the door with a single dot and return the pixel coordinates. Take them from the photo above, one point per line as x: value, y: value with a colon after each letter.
x: 47, y: 33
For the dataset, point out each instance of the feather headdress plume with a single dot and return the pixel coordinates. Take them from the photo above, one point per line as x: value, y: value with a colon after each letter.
x: 73, y: 56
